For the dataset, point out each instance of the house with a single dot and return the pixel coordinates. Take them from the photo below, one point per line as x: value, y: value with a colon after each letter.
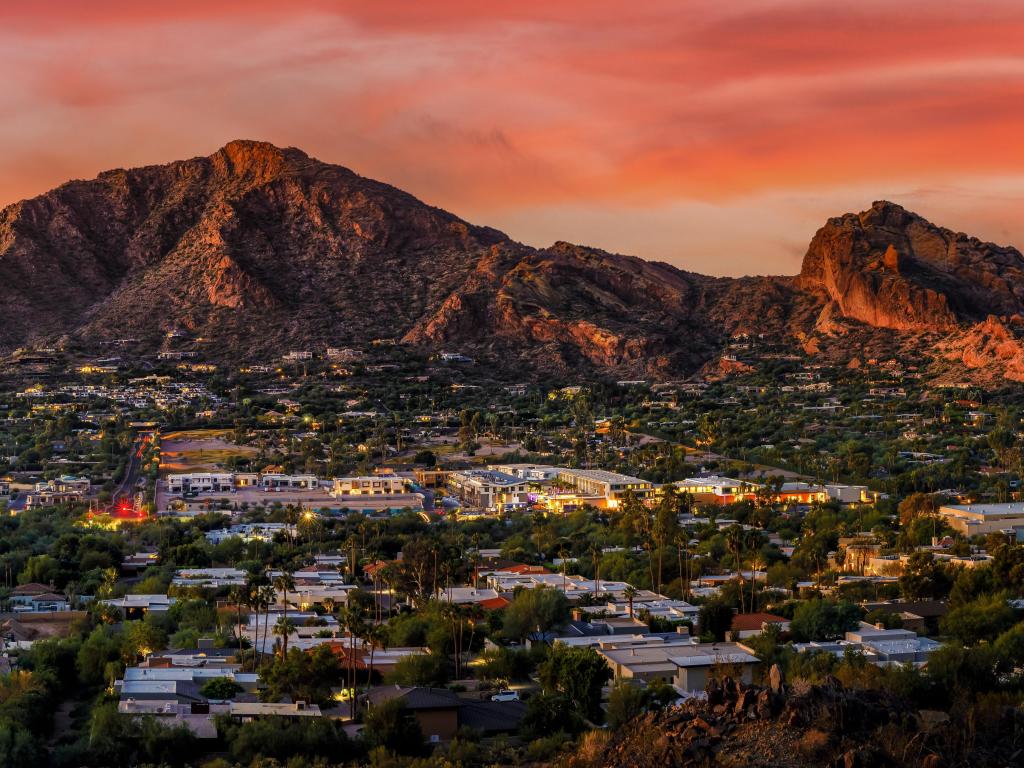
x: 644, y: 659
x: 983, y: 519
x: 34, y: 597
x: 746, y: 625
x: 893, y: 646
x: 436, y: 709
x: 440, y: 713
x: 696, y: 663
x: 368, y: 486
x: 715, y: 489
x: 246, y: 711
x: 137, y: 606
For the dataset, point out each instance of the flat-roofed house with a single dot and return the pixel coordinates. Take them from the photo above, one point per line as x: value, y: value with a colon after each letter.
x: 983, y: 519
x: 370, y: 485
x: 695, y: 664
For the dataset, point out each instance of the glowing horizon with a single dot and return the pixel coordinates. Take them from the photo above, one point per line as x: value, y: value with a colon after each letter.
x: 715, y: 138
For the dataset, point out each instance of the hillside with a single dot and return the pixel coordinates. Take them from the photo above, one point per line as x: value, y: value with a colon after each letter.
x: 260, y: 250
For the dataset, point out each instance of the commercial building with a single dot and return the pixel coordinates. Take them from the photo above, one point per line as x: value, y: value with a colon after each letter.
x: 487, y: 488
x: 983, y: 519
x: 371, y: 485
x: 610, y: 486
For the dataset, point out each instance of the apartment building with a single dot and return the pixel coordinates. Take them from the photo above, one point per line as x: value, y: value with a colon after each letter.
x: 488, y: 488
x: 610, y: 486
x: 369, y: 485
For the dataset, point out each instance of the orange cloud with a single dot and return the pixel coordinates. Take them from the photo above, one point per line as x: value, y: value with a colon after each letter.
x: 503, y: 111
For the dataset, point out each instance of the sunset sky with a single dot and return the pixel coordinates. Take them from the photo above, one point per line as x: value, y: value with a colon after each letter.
x: 714, y: 135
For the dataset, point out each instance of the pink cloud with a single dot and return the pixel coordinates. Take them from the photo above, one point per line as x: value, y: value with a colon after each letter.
x: 498, y: 109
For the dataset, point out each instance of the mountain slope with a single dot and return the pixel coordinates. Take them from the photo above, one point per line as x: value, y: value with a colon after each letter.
x: 260, y: 250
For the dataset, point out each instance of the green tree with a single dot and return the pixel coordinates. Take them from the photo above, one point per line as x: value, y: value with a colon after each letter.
x: 141, y: 638
x: 391, y: 726
x: 823, y: 620
x: 304, y: 676
x: 625, y: 701
x: 714, y: 619
x: 982, y: 619
x: 534, y: 612
x: 579, y: 674
x: 220, y: 688
x: 419, y: 669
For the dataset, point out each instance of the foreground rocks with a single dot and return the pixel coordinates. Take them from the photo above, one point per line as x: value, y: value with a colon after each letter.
x: 802, y: 726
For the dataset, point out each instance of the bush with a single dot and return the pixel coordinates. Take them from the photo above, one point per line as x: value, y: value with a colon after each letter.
x: 392, y: 727
x: 420, y: 669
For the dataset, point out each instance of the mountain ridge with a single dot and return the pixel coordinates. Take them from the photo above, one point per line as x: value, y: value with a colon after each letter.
x: 261, y: 249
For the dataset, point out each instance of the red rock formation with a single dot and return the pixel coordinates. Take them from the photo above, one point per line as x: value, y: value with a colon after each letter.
x: 890, y: 268
x: 261, y: 249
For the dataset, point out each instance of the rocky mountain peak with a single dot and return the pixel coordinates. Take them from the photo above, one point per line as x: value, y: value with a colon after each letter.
x: 889, y: 267
x: 257, y: 161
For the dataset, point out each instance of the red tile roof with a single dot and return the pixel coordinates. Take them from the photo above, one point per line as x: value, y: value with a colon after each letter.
x: 745, y: 622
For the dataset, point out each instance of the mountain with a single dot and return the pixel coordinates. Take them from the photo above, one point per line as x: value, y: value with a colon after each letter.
x: 258, y: 250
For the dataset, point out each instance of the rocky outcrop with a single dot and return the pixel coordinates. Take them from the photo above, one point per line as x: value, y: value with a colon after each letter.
x: 802, y: 726
x: 993, y: 347
x: 890, y: 268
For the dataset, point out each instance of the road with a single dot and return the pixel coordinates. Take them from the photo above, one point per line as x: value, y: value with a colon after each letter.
x: 126, y: 490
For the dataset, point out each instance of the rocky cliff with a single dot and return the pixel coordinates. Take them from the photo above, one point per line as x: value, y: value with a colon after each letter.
x: 890, y: 268
x: 259, y: 250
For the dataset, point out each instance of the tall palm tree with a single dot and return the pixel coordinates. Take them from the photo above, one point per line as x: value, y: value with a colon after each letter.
x: 630, y: 592
x: 735, y: 543
x: 376, y: 637
x: 284, y: 584
x: 267, y: 595
x: 282, y: 628
x: 353, y: 619
x: 236, y: 595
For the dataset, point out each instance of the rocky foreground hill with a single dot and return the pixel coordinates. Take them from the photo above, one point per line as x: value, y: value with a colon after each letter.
x: 259, y: 250
x: 805, y: 726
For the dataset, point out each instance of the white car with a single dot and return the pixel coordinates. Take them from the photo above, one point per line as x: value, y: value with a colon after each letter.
x: 506, y: 696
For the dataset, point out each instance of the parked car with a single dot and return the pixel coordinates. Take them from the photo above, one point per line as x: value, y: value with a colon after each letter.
x: 506, y: 696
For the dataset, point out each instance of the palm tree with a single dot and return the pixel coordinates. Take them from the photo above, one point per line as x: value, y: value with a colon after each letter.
x: 734, y: 542
x: 265, y: 598
x: 284, y: 584
x: 376, y: 637
x: 236, y: 595
x: 282, y: 628
x: 352, y: 617
x: 630, y: 592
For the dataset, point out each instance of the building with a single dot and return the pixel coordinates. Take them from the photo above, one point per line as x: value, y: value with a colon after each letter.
x: 537, y: 473
x: 746, y: 625
x: 201, y: 482
x: 715, y: 489
x: 983, y: 519
x: 298, y: 482
x: 695, y: 664
x: 37, y: 598
x: 440, y: 713
x: 371, y: 485
x: 643, y: 658
x: 610, y: 486
x: 488, y: 488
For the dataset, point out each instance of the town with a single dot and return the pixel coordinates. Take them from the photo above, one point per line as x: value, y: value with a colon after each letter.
x: 373, y: 554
